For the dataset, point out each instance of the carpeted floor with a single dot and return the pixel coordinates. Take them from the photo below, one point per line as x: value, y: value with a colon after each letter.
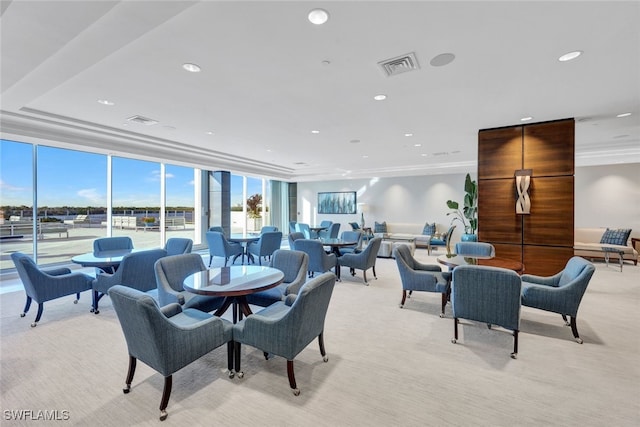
x: 387, y: 366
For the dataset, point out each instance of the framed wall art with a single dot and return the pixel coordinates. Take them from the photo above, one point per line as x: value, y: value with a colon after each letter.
x: 343, y: 202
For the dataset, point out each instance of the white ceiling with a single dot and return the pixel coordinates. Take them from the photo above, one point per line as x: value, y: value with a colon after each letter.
x: 264, y: 84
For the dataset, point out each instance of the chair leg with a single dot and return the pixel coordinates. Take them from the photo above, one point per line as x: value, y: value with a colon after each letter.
x: 130, y: 373
x: 566, y: 322
x: 321, y: 344
x: 237, y: 351
x: 374, y: 272
x: 292, y: 378
x: 455, y: 330
x: 166, y: 393
x: 38, y: 315
x: 210, y: 259
x: 364, y: 275
x: 96, y: 299
x: 514, y: 355
x: 77, y: 298
x: 444, y: 303
x: 404, y: 297
x: 225, y: 261
x: 574, y: 329
x: 26, y: 307
x: 230, y: 347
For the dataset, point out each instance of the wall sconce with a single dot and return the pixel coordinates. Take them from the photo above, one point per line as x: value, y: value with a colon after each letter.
x: 523, y: 181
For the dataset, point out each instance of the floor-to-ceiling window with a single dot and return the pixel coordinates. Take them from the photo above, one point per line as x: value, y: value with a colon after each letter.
x: 180, y: 191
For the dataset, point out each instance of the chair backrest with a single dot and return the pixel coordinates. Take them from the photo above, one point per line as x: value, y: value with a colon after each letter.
x: 112, y: 243
x: 577, y: 268
x: 353, y: 236
x: 334, y: 229
x: 475, y: 248
x: 293, y: 237
x: 217, y: 228
x: 354, y: 226
x: 292, y: 226
x: 27, y: 270
x: 268, y: 228
x: 370, y: 253
x: 172, y: 270
x: 318, y: 259
x: 404, y: 259
x: 487, y: 294
x: 304, y: 229
x: 178, y: 245
x: 269, y: 242
x: 137, y: 269
x: 294, y: 265
x: 218, y: 244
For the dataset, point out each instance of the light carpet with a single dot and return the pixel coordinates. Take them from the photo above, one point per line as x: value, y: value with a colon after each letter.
x: 387, y: 366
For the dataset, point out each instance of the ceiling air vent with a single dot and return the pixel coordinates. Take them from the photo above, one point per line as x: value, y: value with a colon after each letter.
x: 142, y: 120
x: 399, y: 64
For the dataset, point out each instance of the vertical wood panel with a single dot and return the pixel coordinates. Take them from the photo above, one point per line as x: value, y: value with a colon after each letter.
x: 510, y: 252
x: 497, y: 219
x: 545, y: 260
x: 549, y: 148
x: 498, y: 151
x: 551, y: 220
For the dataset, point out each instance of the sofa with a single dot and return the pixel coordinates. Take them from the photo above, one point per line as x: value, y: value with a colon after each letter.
x: 587, y: 244
x: 402, y: 233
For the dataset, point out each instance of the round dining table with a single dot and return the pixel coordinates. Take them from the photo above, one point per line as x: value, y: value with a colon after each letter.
x: 233, y: 283
x: 335, y: 245
x: 455, y: 260
x: 244, y: 239
x: 107, y: 261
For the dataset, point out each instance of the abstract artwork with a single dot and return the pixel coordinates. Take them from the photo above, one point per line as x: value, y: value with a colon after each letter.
x: 337, y: 202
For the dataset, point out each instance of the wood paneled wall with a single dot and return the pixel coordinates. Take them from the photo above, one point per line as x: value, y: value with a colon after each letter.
x: 543, y: 239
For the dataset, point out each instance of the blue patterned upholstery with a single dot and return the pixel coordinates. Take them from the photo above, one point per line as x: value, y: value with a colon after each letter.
x: 363, y: 260
x: 319, y: 260
x: 475, y: 248
x: 166, y: 339
x: 45, y: 285
x: 170, y: 274
x: 135, y: 271
x: 487, y: 294
x: 416, y: 276
x: 560, y: 293
x: 616, y: 237
x: 178, y: 245
x: 380, y: 227
x: 294, y: 265
x: 268, y: 243
x: 220, y: 246
x: 285, y: 328
x: 112, y: 243
x: 429, y: 229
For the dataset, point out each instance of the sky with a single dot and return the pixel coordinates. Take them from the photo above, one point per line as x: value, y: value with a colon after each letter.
x: 79, y: 179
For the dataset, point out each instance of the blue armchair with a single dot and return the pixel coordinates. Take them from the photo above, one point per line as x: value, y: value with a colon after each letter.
x: 217, y: 228
x: 220, y: 246
x: 296, y: 235
x: 268, y: 228
x: 178, y: 245
x: 351, y: 236
x: 268, y: 243
x: 560, y: 293
x: 364, y: 260
x: 416, y: 276
x: 330, y: 233
x: 319, y: 260
x: 166, y: 339
x: 304, y: 229
x: 285, y: 328
x: 475, y: 248
x: 112, y: 243
x: 170, y: 274
x: 135, y: 271
x: 487, y: 294
x: 45, y: 285
x: 294, y: 265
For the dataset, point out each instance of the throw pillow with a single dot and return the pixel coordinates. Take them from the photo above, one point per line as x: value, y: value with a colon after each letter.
x: 616, y: 237
x: 429, y: 229
x: 380, y: 227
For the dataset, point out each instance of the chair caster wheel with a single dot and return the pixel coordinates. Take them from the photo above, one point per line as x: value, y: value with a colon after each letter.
x: 514, y: 355
x: 23, y: 314
x: 579, y: 340
x: 231, y: 374
x: 75, y: 301
x: 240, y: 374
x: 401, y: 306
x: 34, y: 324
x: 96, y: 312
x: 489, y: 325
x: 442, y: 315
x: 453, y: 341
x: 163, y: 415
x: 296, y: 392
x: 325, y: 359
x: 127, y: 389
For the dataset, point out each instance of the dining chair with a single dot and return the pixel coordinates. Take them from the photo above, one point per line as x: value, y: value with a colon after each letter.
x: 294, y: 265
x: 322, y: 233
x: 362, y: 261
x: 269, y: 242
x: 293, y: 237
x: 330, y: 233
x: 268, y: 228
x: 490, y: 295
x: 135, y: 271
x: 46, y: 285
x: 112, y: 243
x: 351, y: 236
x: 285, y: 328
x: 475, y: 249
x: 304, y: 229
x: 560, y: 293
x: 170, y: 274
x: 417, y: 276
x: 178, y: 245
x: 319, y: 260
x: 166, y: 339
x: 220, y: 246
x: 217, y: 228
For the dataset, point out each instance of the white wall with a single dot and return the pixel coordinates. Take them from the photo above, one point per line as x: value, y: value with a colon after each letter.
x: 605, y: 196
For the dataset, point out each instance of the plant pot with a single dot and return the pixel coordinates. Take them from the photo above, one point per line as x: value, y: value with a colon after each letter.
x: 469, y: 237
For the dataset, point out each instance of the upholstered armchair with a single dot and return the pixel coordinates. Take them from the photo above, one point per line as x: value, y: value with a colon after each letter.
x: 296, y: 235
x: 322, y: 233
x: 170, y: 274
x: 166, y: 339
x: 487, y: 294
x: 178, y: 245
x: 319, y: 260
x: 351, y: 236
x: 475, y: 249
x: 416, y: 276
x: 135, y: 271
x: 45, y: 285
x: 217, y: 228
x: 220, y: 246
x: 304, y: 229
x: 268, y: 228
x: 294, y: 265
x: 112, y: 243
x: 560, y: 293
x: 364, y: 260
x: 268, y: 243
x: 285, y: 328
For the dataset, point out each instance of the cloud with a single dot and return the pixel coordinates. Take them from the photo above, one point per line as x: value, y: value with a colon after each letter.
x: 92, y: 195
x: 8, y: 187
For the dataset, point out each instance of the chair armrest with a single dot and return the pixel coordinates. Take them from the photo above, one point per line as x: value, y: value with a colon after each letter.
x: 57, y: 271
x: 426, y: 267
x: 171, y: 310
x: 539, y: 280
x: 289, y: 299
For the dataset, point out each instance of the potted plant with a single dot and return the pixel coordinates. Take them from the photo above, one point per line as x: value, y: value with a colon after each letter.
x: 254, y: 204
x: 148, y: 221
x: 468, y: 216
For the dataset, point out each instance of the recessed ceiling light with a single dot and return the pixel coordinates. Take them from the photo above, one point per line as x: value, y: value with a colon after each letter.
x: 408, y: 134
x: 526, y: 119
x: 442, y: 59
x: 380, y: 97
x: 570, y: 55
x: 364, y: 156
x: 417, y: 145
x: 624, y: 115
x: 106, y: 102
x: 318, y: 16
x: 355, y: 141
x: 192, y: 68
x: 315, y: 131
x: 209, y: 133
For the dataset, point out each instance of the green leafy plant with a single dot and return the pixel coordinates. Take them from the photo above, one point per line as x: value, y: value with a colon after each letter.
x: 468, y: 216
x: 254, y: 203
x: 148, y: 220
